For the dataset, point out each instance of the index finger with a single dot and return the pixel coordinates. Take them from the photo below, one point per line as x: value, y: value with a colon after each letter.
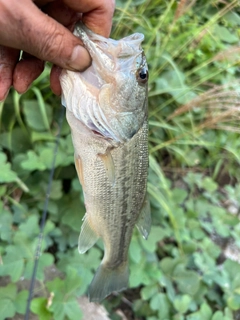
x: 97, y: 15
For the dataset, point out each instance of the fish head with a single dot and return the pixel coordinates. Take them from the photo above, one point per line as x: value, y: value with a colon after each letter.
x: 113, y: 90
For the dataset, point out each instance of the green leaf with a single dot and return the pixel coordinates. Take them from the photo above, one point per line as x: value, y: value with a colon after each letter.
x: 169, y: 285
x: 72, y: 310
x: 232, y: 18
x: 179, y: 195
x: 155, y: 236
x: 32, y: 162
x: 135, y: 250
x: 234, y: 302
x: 160, y: 302
x: 63, y: 289
x: 74, y: 212
x: 173, y: 82
x: 209, y: 185
x: 30, y: 226
x: 64, y: 303
x: 73, y: 281
x: 137, y: 275
x: 13, y: 263
x: 39, y: 307
x: 232, y: 268
x: 45, y: 260
x: 149, y: 291
x: 225, y: 35
x: 56, y: 190
x: 206, y: 311
x: 34, y: 116
x: 195, y: 316
x: 21, y: 301
x: 168, y: 264
x: 2, y: 190
x: 55, y: 285
x: 7, y: 309
x: 6, y: 174
x: 188, y: 281
x: 46, y: 156
x: 5, y: 224
x: 57, y: 308
x: 218, y: 316
x: 182, y: 303
x: 7, y: 297
x: 15, y: 140
x: 9, y: 291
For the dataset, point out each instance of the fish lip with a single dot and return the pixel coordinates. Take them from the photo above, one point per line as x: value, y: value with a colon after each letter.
x: 85, y: 34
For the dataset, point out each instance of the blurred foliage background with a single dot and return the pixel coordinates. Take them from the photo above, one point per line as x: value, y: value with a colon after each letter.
x: 189, y: 267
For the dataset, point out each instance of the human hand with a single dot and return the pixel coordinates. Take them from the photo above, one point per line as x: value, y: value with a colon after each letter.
x: 45, y: 36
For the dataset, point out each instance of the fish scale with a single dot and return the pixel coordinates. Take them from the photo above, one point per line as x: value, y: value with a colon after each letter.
x: 112, y: 171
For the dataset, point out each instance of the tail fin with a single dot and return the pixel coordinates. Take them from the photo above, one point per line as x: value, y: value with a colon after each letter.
x: 107, y: 280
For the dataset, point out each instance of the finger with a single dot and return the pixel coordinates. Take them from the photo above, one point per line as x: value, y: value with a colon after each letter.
x: 54, y: 80
x: 8, y: 60
x: 26, y: 71
x: 29, y: 29
x: 61, y: 13
x: 41, y: 3
x: 67, y: 17
x: 29, y: 68
x: 97, y: 15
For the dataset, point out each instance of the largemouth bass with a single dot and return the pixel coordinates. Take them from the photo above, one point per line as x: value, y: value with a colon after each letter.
x: 107, y: 112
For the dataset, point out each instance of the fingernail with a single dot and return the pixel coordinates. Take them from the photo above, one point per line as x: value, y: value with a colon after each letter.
x: 80, y: 59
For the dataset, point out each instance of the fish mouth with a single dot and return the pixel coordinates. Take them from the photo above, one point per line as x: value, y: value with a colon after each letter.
x: 109, y: 55
x: 101, y: 97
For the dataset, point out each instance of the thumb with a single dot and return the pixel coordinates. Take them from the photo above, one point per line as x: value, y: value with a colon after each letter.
x: 27, y: 28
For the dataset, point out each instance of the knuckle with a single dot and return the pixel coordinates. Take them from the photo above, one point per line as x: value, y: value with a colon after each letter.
x: 108, y: 7
x: 52, y: 45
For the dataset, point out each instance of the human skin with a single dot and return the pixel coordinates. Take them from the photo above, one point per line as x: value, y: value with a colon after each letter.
x: 42, y: 30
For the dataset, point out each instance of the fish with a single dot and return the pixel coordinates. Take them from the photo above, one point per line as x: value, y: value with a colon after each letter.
x: 107, y: 111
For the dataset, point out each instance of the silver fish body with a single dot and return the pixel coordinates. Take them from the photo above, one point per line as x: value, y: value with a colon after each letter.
x: 107, y: 112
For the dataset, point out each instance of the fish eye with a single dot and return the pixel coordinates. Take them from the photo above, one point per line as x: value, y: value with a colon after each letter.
x: 142, y: 75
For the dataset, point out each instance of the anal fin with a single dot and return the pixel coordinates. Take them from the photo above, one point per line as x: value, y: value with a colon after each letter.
x: 144, y: 221
x: 87, y: 237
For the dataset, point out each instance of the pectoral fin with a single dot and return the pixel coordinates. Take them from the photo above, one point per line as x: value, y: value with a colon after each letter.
x: 87, y: 237
x: 109, y: 165
x: 79, y: 168
x: 144, y: 220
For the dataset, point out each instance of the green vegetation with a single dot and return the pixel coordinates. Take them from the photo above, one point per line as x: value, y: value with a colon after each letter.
x: 190, y: 266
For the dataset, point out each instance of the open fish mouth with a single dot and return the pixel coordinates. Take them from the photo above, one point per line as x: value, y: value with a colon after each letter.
x: 111, y: 55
